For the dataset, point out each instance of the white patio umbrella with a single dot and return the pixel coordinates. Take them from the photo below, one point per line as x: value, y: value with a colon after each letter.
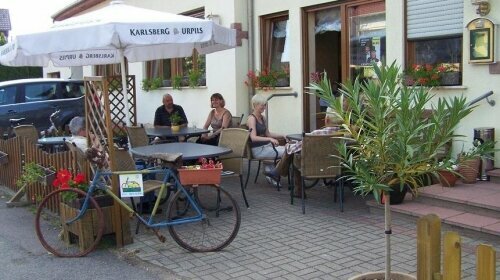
x: 110, y: 34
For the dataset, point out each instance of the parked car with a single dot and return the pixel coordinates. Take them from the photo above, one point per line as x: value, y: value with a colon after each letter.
x: 37, y: 99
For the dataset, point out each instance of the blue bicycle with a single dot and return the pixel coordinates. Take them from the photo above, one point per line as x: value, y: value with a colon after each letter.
x: 200, y: 218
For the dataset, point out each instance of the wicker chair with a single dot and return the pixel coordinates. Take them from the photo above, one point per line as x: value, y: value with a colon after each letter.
x: 27, y: 131
x: 82, y: 163
x: 137, y: 136
x: 236, y: 139
x: 317, y: 162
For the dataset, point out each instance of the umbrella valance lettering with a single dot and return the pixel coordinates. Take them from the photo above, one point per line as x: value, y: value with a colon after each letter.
x: 143, y: 32
x: 8, y: 48
x: 85, y: 58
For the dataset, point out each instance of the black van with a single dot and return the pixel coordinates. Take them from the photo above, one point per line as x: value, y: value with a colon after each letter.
x: 37, y: 99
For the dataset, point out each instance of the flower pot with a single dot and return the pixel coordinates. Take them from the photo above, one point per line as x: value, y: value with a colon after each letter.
x: 397, y: 195
x: 209, y: 176
x: 48, y: 177
x: 447, y: 178
x: 175, y: 128
x: 381, y: 275
x: 449, y: 79
x: 469, y: 169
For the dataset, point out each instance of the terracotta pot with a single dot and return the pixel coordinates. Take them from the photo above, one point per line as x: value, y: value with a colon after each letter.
x: 469, y: 169
x: 381, y: 275
x: 447, y: 179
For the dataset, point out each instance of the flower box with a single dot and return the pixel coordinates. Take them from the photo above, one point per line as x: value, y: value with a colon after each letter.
x: 4, y: 158
x: 200, y: 176
x: 86, y: 227
x: 48, y: 177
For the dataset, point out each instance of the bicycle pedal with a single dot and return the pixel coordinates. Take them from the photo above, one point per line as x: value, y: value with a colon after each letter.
x: 162, y: 238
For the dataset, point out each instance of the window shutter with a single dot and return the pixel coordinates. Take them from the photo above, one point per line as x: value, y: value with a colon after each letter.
x: 431, y: 18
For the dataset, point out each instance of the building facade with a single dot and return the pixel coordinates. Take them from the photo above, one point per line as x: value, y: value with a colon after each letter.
x: 295, y: 39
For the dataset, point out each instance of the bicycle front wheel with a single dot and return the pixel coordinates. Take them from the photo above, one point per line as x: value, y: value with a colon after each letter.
x: 220, y: 223
x: 76, y: 239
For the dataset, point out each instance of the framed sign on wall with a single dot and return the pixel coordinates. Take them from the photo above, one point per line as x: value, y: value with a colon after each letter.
x: 481, y: 35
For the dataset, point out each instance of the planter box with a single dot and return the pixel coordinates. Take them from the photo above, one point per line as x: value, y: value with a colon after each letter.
x: 87, y: 227
x: 48, y: 178
x: 4, y: 158
x: 450, y: 79
x: 200, y: 176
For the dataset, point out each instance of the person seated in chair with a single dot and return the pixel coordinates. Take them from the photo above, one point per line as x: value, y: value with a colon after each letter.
x: 218, y: 118
x: 78, y: 133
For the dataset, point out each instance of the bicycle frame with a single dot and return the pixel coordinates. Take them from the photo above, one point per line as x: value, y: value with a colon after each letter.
x: 98, y: 183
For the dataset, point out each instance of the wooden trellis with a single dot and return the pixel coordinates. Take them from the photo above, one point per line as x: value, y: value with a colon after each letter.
x: 106, y: 118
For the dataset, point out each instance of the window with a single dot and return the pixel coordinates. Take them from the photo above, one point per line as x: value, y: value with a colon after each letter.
x: 40, y: 92
x: 434, y: 37
x: 108, y: 70
x: 8, y: 95
x: 367, y: 38
x: 186, y: 68
x: 274, y: 43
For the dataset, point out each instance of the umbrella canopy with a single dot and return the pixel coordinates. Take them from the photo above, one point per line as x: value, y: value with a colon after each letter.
x: 106, y: 35
x: 110, y: 34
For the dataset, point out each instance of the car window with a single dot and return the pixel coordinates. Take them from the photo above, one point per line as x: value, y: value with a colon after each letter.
x: 8, y: 95
x: 40, y: 92
x: 72, y: 90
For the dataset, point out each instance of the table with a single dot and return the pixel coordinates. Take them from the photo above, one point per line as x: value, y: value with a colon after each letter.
x: 296, y: 136
x: 188, y: 150
x: 167, y: 131
x: 54, y: 144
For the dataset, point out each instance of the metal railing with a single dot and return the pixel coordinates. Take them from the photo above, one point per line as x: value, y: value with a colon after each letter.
x: 484, y: 96
x: 294, y: 94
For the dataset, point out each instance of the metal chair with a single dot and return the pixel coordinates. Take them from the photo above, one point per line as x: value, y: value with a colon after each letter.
x: 236, y: 139
x: 236, y: 121
x: 27, y: 131
x: 318, y: 161
x: 250, y: 158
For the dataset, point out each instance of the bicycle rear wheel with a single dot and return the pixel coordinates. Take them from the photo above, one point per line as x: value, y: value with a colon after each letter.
x: 76, y: 239
x: 219, y: 225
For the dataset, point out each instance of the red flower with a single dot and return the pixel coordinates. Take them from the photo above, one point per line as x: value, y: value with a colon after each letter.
x: 79, y: 178
x: 64, y: 175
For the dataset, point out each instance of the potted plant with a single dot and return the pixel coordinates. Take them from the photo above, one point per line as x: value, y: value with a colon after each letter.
x: 177, y: 82
x: 395, y: 142
x: 268, y: 79
x: 448, y: 173
x: 175, y: 120
x: 469, y: 161
x: 152, y: 84
x: 194, y: 78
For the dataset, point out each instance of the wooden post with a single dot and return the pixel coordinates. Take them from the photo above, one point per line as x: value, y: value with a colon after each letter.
x: 452, y: 256
x: 428, y: 247
x: 485, y: 262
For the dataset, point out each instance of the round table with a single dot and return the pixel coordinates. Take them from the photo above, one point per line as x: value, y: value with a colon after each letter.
x: 53, y: 140
x: 296, y: 136
x: 188, y: 150
x: 167, y: 131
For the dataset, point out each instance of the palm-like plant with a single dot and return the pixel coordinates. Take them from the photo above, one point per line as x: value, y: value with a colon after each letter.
x: 396, y: 141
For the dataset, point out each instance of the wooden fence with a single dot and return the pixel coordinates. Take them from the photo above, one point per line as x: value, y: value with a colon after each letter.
x: 10, y: 166
x: 429, y: 253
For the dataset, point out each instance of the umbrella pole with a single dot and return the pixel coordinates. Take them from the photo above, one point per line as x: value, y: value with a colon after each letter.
x: 124, y: 87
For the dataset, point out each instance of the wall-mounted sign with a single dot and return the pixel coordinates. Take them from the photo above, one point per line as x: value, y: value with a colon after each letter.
x: 481, y: 48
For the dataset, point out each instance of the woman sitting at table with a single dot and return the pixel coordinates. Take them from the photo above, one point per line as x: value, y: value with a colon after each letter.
x: 262, y: 139
x: 218, y: 118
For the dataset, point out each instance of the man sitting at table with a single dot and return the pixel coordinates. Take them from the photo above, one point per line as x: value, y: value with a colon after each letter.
x: 164, y: 112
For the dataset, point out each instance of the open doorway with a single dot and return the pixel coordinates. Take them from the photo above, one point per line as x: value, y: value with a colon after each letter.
x: 324, y: 45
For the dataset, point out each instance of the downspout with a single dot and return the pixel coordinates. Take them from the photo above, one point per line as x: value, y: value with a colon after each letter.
x: 251, y: 49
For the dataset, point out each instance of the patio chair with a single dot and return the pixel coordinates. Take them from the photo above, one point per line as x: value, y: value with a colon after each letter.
x: 81, y: 159
x: 125, y: 162
x: 27, y: 131
x: 250, y: 158
x: 317, y: 161
x: 236, y: 139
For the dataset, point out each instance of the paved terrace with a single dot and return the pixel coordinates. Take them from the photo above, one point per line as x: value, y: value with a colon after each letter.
x: 276, y: 241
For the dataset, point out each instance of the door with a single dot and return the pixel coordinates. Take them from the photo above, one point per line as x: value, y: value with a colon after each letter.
x: 324, y: 39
